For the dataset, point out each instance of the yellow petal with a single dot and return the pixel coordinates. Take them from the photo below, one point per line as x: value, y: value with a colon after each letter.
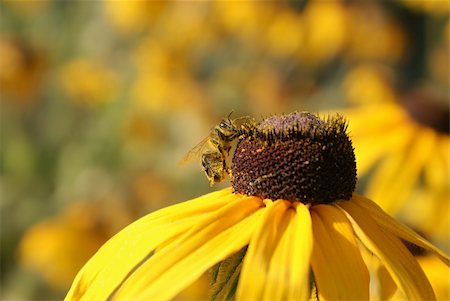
x: 185, y: 259
x: 278, y: 270
x: 388, y: 223
x: 339, y: 270
x: 444, y: 148
x: 436, y: 169
x: 439, y: 275
x: 302, y: 245
x: 204, y: 203
x: 256, y: 266
x: 395, y: 178
x: 387, y: 284
x: 373, y: 119
x: 288, y: 275
x: 117, y: 257
x: 382, y: 287
x: 402, y: 266
x: 367, y: 152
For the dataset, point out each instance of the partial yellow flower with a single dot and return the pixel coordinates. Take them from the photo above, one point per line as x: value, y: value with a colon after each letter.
x: 21, y: 71
x: 243, y: 18
x: 285, y: 34
x: 325, y: 31
x: 409, y: 160
x: 289, y: 225
x: 374, y: 35
x: 368, y: 83
x: 89, y: 82
x: 56, y: 248
x: 131, y: 16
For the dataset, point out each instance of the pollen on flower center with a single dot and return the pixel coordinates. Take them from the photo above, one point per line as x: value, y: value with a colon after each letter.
x: 296, y: 157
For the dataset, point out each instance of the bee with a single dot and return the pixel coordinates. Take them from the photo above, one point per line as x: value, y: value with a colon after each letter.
x: 214, y: 150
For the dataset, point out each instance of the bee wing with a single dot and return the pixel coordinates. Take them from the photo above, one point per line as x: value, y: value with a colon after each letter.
x: 195, y: 152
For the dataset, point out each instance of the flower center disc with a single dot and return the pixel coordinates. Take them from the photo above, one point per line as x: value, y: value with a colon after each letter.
x: 296, y: 157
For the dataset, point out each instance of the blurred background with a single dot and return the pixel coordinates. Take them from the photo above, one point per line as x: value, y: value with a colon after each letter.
x: 101, y: 99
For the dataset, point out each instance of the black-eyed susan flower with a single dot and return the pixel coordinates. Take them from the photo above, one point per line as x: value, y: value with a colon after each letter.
x: 404, y: 148
x: 289, y: 225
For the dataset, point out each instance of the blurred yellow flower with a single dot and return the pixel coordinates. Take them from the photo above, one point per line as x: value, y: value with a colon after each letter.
x: 130, y: 16
x: 285, y: 34
x: 244, y: 19
x: 152, y: 55
x: 21, y: 69
x: 368, y: 84
x: 88, y: 81
x: 409, y: 159
x: 190, y: 31
x: 154, y: 92
x: 163, y: 83
x: 325, y: 31
x: 56, y: 248
x: 373, y: 34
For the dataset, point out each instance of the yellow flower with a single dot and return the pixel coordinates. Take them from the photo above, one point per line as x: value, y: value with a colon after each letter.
x: 57, y: 247
x: 21, y: 71
x: 325, y: 31
x: 89, y: 82
x: 242, y: 19
x: 368, y: 83
x: 407, y: 149
x: 289, y: 225
x: 374, y: 35
x: 284, y: 34
x: 131, y: 16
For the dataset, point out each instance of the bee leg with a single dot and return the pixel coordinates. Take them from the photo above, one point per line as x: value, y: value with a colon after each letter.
x: 228, y: 170
x: 207, y: 168
x: 213, y: 167
x: 216, y: 160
